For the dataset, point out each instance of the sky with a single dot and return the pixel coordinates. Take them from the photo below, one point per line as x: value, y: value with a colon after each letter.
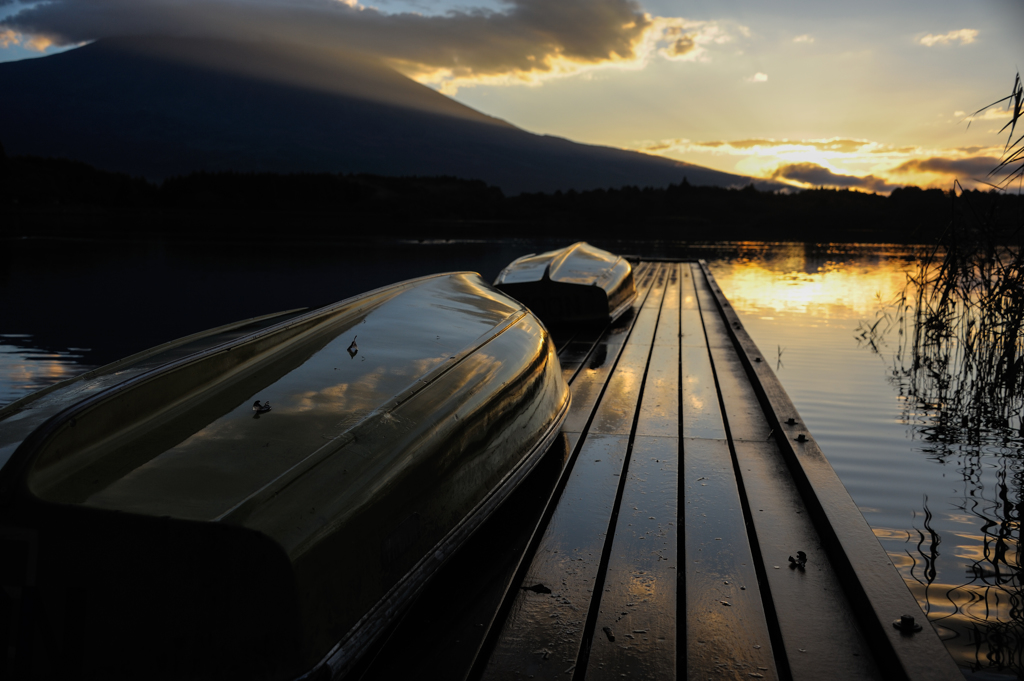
x: 868, y: 95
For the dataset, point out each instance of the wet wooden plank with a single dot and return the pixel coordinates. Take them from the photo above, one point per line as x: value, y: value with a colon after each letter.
x: 541, y: 638
x: 573, y: 356
x: 635, y: 630
x: 668, y: 324
x: 603, y: 344
x: 702, y: 417
x: 544, y: 632
x: 818, y: 632
x: 872, y: 585
x: 727, y: 634
x: 687, y: 293
x: 619, y: 403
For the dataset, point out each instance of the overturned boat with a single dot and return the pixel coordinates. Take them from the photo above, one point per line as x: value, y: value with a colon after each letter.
x: 578, y: 283
x: 262, y: 500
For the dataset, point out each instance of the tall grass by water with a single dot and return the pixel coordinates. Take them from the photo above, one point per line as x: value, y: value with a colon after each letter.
x: 955, y: 340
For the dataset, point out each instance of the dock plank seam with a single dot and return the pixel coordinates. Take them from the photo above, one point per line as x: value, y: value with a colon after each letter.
x: 607, y: 441
x: 493, y: 630
x: 595, y: 603
x: 685, y: 273
x: 768, y: 603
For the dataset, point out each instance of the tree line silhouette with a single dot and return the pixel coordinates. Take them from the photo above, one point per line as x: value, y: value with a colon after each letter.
x: 57, y: 197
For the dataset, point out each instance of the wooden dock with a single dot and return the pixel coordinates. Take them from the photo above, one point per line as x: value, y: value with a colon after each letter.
x: 662, y: 538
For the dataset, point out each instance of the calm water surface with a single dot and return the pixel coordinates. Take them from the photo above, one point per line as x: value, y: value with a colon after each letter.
x: 946, y: 512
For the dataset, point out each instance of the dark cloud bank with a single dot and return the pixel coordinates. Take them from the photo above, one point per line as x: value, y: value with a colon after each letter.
x: 525, y: 38
x: 812, y: 173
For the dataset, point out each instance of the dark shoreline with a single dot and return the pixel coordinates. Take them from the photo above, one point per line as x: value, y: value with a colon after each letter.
x: 66, y: 199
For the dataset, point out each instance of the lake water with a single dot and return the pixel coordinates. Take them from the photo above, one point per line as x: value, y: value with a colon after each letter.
x: 946, y: 510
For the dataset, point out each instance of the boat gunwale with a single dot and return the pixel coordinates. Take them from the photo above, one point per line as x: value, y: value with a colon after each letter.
x: 353, y: 643
x: 15, y: 469
x: 626, y: 304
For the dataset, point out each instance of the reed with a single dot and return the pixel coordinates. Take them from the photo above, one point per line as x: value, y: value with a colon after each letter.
x: 959, y: 363
x: 1011, y: 165
x: 960, y: 317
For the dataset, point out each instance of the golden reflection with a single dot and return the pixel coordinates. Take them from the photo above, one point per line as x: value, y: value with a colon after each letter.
x: 804, y: 286
x: 643, y: 587
x: 977, y: 622
x: 886, y: 533
x: 25, y: 370
x: 901, y: 560
x: 980, y: 546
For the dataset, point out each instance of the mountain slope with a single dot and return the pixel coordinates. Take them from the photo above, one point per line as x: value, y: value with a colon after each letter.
x: 159, y: 107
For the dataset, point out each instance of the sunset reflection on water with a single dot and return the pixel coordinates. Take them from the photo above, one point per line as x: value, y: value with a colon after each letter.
x: 25, y: 369
x: 812, y: 286
x: 944, y: 503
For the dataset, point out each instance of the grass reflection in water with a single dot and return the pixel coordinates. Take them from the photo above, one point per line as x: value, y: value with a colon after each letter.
x: 954, y: 339
x: 944, y: 499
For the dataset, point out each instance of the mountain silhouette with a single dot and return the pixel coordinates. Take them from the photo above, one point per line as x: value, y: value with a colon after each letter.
x: 159, y: 107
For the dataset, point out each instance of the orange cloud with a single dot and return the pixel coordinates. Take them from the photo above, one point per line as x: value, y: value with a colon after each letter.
x: 814, y: 175
x: 747, y: 146
x: 842, y: 162
x: 37, y: 43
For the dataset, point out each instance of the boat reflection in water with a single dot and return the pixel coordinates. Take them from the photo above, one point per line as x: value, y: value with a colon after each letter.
x: 168, y: 532
x: 575, y: 284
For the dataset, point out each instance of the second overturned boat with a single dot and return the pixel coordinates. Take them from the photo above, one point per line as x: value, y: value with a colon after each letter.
x: 579, y: 283
x: 263, y: 507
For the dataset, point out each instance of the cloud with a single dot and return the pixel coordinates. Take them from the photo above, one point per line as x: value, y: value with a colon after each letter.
x: 679, y: 39
x: 758, y: 78
x: 805, y: 38
x: 682, y: 46
x: 527, y: 41
x: 843, y: 162
x: 812, y: 174
x: 994, y: 113
x: 977, y: 166
x: 746, y: 147
x: 9, y: 38
x: 964, y: 35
